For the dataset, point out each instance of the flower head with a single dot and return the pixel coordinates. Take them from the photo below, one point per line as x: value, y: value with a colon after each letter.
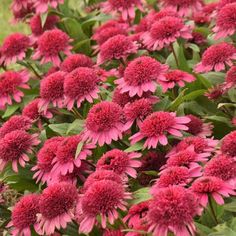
x: 56, y: 205
x: 102, y: 198
x: 45, y: 157
x: 230, y: 79
x: 117, y: 47
x: 41, y: 6
x: 228, y: 145
x: 10, y: 84
x: 198, y: 128
x: 104, y: 123
x: 125, y: 7
x: 75, y: 61
x: 52, y: 91
x: 173, y: 78
x: 141, y: 75
x: 216, y: 57
x: 156, y: 126
x: 215, y: 92
x: 81, y: 84
x: 14, y: 48
x: 172, y: 209
x: 166, y: 31
x: 225, y: 21
x: 50, y: 44
x: 24, y: 215
x: 16, y: 122
x: 14, y: 148
x: 19, y: 4
x: 120, y: 162
x: 213, y: 186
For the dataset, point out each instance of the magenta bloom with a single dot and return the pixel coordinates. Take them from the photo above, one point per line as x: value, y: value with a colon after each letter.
x: 228, y: 145
x: 230, y: 79
x: 177, y: 175
x: 14, y: 48
x: 213, y: 186
x: 103, y: 198
x: 183, y: 7
x: 117, y: 47
x: 50, y: 44
x: 225, y: 21
x: 120, y: 162
x: 66, y: 159
x: 137, y: 111
x: 166, y: 31
x: 216, y: 57
x: 16, y: 122
x: 141, y: 75
x: 104, y: 123
x: 81, y: 84
x: 14, y: 148
x: 37, y: 28
x: 156, y: 126
x: 173, y: 209
x: 52, y: 91
x: 17, y: 5
x: 222, y: 167
x: 175, y: 77
x: 125, y: 7
x: 45, y: 157
x: 56, y: 205
x: 75, y: 61
x: 24, y: 215
x: 41, y: 6
x: 10, y: 84
x: 198, y: 128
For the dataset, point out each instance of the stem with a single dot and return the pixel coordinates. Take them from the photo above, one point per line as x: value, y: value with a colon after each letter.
x: 77, y: 113
x: 212, y: 211
x: 35, y: 72
x: 89, y: 163
x: 60, y: 57
x: 175, y: 56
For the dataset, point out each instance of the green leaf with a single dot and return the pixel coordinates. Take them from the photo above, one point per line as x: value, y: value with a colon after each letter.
x: 79, y: 148
x: 174, y: 105
x: 203, y: 80
x: 83, y: 46
x: 194, y: 94
x: 204, y: 230
x: 10, y: 110
x: 219, y: 118
x: 141, y: 195
x: 230, y: 206
x: 60, y: 128
x: 43, y: 18
x: 76, y: 127
x: 135, y: 147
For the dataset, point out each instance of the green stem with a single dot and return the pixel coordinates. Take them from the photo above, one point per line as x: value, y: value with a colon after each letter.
x: 77, y: 113
x: 175, y: 56
x: 212, y: 211
x: 34, y: 71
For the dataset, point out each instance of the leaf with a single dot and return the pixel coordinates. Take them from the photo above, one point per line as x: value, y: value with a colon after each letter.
x: 202, y: 228
x: 76, y: 127
x: 194, y: 47
x: 174, y: 105
x: 194, y: 94
x: 226, y: 105
x: 230, y: 206
x: 220, y: 119
x: 43, y: 18
x: 60, y: 128
x: 203, y: 80
x: 78, y: 149
x: 141, y: 195
x: 83, y: 46
x: 135, y: 147
x: 10, y: 110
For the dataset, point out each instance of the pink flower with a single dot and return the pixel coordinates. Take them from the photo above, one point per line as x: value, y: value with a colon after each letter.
x: 141, y: 75
x: 41, y: 6
x: 198, y: 128
x: 45, y: 157
x: 225, y: 21
x: 183, y: 7
x: 125, y: 7
x: 10, y: 83
x: 120, y: 162
x: 137, y: 111
x: 156, y: 126
x: 14, y: 48
x: 228, y: 145
x: 166, y: 31
x: 19, y: 4
x: 230, y: 79
x: 14, y: 148
x: 207, y: 186
x: 104, y: 123
x: 16, y: 122
x: 52, y: 91
x: 56, y: 205
x: 37, y: 28
x: 103, y: 198
x: 176, y: 175
x: 24, y: 215
x: 117, y: 47
x: 81, y: 84
x: 222, y: 3
x: 215, y: 92
x: 175, y: 77
x: 102, y: 174
x: 66, y: 158
x: 117, y: 232
x: 173, y: 209
x: 50, y: 44
x: 222, y: 167
x: 75, y: 61
x: 216, y: 57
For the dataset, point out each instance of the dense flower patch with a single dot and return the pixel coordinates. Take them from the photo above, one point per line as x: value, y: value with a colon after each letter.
x: 117, y: 118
